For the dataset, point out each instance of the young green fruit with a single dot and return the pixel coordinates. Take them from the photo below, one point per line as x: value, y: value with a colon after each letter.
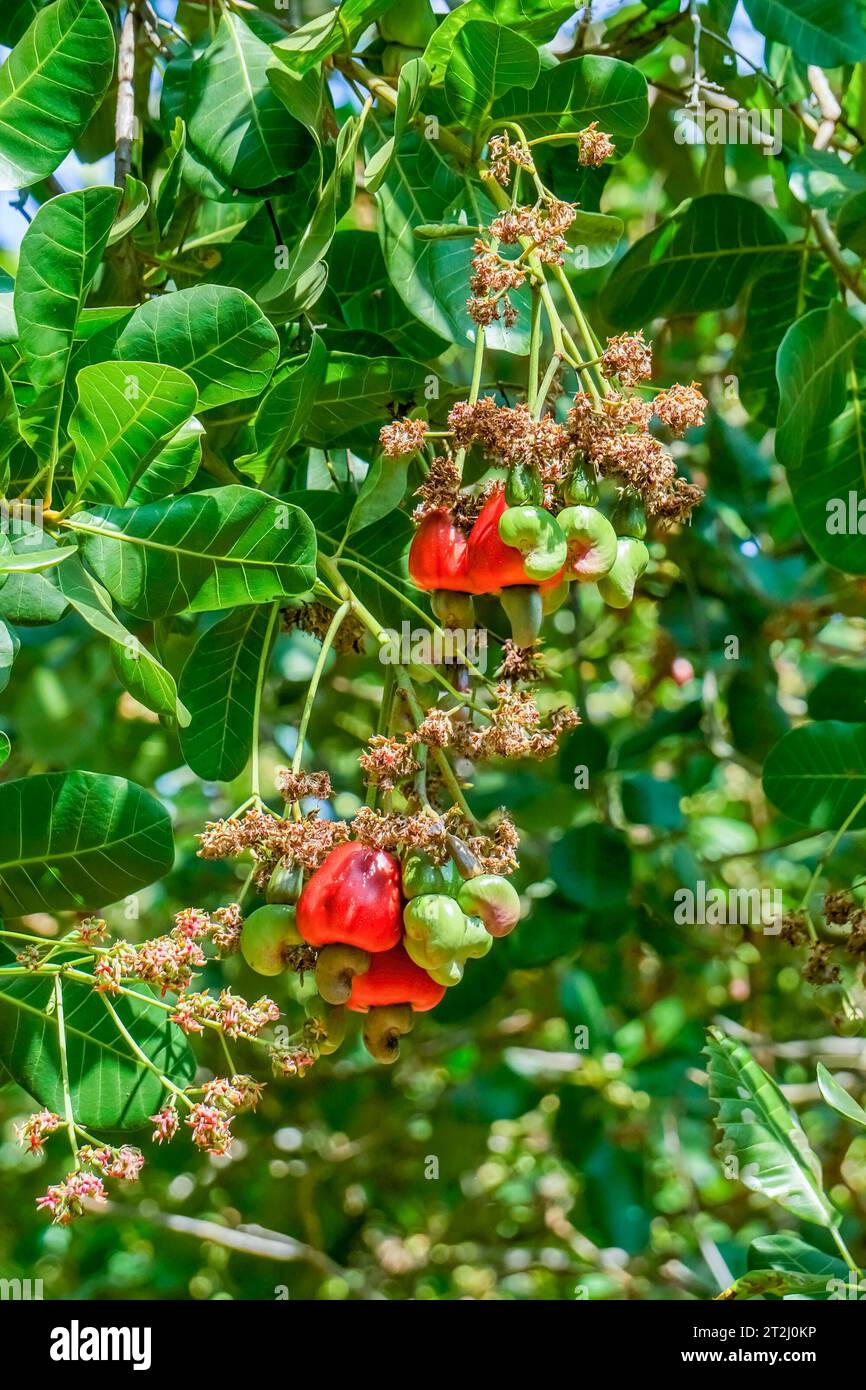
x: 523, y: 486
x: 384, y: 1026
x: 617, y: 587
x: 629, y: 517
x: 524, y: 609
x: 580, y: 488
x: 284, y: 885
x: 535, y: 533
x: 336, y: 968
x: 268, y: 935
x: 412, y: 22
x: 421, y: 875
x: 492, y: 899
x: 591, y: 542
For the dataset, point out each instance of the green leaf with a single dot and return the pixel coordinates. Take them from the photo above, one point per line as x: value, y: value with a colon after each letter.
x: 51, y: 84
x: 411, y: 86
x: 816, y: 774
x: 5, y: 748
x: 110, y: 1088
x: 431, y: 277
x: 486, y: 62
x: 140, y: 672
x: 214, y: 333
x: 78, y: 840
x: 701, y: 258
x: 570, y: 95
x: 32, y: 596
x: 219, y: 684
x: 60, y: 254
x: 358, y: 391
x: 821, y: 369
x: 125, y: 413
x: 220, y: 548
x: 133, y: 206
x: 9, y: 645
x: 323, y: 35
x: 169, y: 187
x: 851, y: 223
x: 826, y: 33
x: 838, y: 1098
x: 373, y: 557
x: 760, y: 1128
x: 335, y: 200
x: 29, y: 560
x: 235, y: 120
x: 777, y: 1283
x: 788, y: 1253
x: 174, y: 467
x: 283, y: 411
x: 538, y: 20
x: 821, y: 180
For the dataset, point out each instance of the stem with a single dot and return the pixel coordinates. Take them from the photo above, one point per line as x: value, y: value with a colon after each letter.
x: 327, y: 643
x: 844, y: 1251
x: 264, y: 659
x: 142, y: 1056
x: 64, y: 1069
x: 534, y: 344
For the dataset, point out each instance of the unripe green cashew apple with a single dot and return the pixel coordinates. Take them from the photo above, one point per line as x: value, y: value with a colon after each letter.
x: 267, y: 935
x: 492, y: 898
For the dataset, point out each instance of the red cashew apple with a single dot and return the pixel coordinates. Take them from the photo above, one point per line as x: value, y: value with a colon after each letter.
x: 394, y: 979
x: 438, y: 554
x: 354, y: 898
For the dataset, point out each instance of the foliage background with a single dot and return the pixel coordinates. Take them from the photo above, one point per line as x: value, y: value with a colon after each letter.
x: 560, y: 1173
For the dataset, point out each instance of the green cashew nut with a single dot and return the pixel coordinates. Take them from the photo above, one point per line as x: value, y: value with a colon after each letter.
x: 591, y: 542
x: 524, y: 609
x: 384, y: 1026
x: 336, y: 968
x: 617, y: 587
x: 268, y: 935
x: 524, y: 486
x: 453, y: 609
x: 284, y: 885
x: 535, y: 533
x: 421, y: 875
x: 492, y: 899
x: 581, y: 488
x: 629, y: 517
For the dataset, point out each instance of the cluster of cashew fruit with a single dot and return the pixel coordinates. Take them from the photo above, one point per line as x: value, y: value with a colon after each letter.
x: 391, y: 935
x: 528, y: 554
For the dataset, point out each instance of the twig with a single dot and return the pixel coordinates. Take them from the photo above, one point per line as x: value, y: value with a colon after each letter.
x: 124, y: 116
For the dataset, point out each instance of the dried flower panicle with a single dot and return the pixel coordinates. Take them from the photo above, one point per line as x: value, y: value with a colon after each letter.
x: 680, y: 407
x: 387, y: 762
x: 296, y: 786
x: 594, y: 146
x: 402, y: 437
x: 628, y: 357
x: 440, y: 489
x: 228, y: 924
x: 502, y: 156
